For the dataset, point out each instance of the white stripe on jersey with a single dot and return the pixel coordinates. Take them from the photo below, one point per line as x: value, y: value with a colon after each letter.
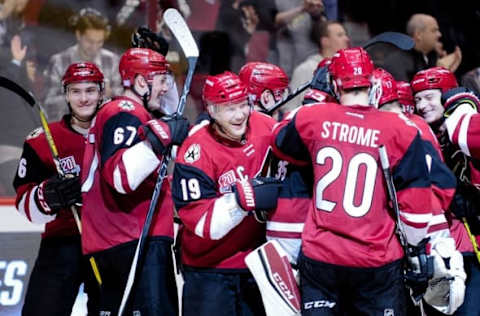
x: 285, y: 227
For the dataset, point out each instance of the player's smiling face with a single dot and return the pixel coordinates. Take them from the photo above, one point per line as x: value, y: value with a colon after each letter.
x: 83, y: 98
x: 429, y: 105
x: 231, y: 119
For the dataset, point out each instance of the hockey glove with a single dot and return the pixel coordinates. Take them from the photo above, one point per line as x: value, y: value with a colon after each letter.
x: 446, y: 290
x: 257, y: 194
x: 321, y: 81
x: 57, y: 193
x: 455, y: 97
x: 164, y: 132
x: 419, y: 269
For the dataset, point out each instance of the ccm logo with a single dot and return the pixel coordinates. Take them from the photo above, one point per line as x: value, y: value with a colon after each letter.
x: 319, y: 304
x: 283, y: 286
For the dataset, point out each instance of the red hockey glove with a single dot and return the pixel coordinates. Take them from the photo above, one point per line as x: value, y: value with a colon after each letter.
x: 257, y: 194
x: 57, y: 193
x: 453, y: 98
x: 164, y: 132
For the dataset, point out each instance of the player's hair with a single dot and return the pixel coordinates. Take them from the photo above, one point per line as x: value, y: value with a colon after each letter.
x: 89, y: 18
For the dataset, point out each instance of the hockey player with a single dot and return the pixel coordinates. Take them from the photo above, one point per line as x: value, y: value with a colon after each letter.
x: 351, y: 259
x: 266, y: 84
x: 441, y: 245
x: 428, y: 86
x: 216, y: 191
x: 45, y: 198
x: 405, y: 97
x: 123, y: 153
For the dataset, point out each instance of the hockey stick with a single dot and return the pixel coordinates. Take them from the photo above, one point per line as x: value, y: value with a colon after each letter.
x: 392, y: 194
x: 180, y: 30
x: 14, y: 87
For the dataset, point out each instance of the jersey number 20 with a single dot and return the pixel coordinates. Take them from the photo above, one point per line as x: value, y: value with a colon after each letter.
x: 351, y: 180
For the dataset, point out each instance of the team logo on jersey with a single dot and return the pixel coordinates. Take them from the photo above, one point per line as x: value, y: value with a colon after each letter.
x: 226, y: 180
x: 192, y: 154
x: 126, y: 105
x: 69, y: 166
x: 35, y: 133
x: 388, y: 312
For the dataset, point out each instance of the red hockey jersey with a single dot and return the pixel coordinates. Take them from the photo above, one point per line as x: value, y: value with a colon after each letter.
x: 217, y: 232
x: 351, y: 224
x: 118, y: 177
x: 36, y: 165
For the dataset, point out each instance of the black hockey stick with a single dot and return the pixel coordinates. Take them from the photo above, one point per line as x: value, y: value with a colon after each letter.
x: 180, y: 30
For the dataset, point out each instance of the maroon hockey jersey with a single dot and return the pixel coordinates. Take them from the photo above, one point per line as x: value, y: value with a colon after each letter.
x: 217, y: 232
x: 351, y: 224
x: 118, y: 177
x: 36, y: 165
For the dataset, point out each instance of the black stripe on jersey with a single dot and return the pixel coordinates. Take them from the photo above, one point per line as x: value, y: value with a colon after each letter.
x: 289, y: 142
x: 117, y: 134
x: 184, y: 186
x: 411, y: 171
x: 34, y: 169
x: 440, y: 174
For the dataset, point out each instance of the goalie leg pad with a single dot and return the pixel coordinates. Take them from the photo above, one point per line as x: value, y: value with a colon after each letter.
x: 273, y: 273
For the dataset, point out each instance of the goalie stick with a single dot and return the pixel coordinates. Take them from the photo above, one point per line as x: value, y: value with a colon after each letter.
x: 180, y: 30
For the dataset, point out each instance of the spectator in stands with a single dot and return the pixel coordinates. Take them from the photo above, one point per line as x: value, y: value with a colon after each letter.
x: 330, y: 36
x: 294, y: 22
x: 11, y: 22
x: 91, y: 30
x: 426, y: 33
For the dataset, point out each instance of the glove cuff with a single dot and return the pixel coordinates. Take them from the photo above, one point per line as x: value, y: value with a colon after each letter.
x: 42, y: 204
x: 146, y: 132
x: 245, y: 195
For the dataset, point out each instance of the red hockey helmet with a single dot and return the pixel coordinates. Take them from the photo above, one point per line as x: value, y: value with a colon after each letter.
x: 351, y: 68
x: 82, y: 72
x: 434, y: 78
x: 260, y: 76
x: 405, y: 95
x: 388, y: 84
x: 141, y: 61
x: 224, y: 88
x: 317, y: 96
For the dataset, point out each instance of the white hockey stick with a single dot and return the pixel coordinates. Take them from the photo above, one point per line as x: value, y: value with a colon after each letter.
x: 180, y: 30
x: 273, y: 273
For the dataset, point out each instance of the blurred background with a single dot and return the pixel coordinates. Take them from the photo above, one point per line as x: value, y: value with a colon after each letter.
x: 39, y: 38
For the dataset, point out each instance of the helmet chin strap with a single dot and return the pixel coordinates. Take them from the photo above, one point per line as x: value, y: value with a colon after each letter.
x: 145, y: 97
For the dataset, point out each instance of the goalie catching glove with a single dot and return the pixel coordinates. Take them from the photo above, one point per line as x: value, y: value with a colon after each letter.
x: 57, y: 193
x: 164, y: 132
x: 446, y: 290
x: 259, y: 193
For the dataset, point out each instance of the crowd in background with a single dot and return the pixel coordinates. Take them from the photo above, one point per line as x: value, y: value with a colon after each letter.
x: 39, y: 39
